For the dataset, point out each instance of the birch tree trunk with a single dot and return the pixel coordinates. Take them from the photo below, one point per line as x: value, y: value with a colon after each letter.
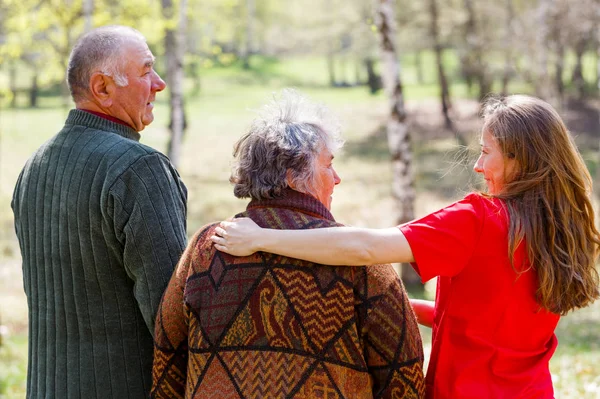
x: 397, y: 129
x: 443, y: 82
x: 174, y: 51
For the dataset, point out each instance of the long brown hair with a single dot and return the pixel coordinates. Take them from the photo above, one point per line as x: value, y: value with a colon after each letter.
x: 548, y: 200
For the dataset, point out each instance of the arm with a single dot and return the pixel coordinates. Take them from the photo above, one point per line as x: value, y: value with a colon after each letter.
x: 331, y: 246
x: 149, y: 207
x: 424, y: 311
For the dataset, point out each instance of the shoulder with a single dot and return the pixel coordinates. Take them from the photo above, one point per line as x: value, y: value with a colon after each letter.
x: 476, y: 201
x: 199, y: 251
x: 201, y: 239
x: 129, y: 151
x: 131, y: 160
x: 200, y: 254
x: 382, y: 279
x: 474, y: 206
x: 486, y: 208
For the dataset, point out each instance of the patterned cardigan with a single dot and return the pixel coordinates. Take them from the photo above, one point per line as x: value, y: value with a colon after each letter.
x: 267, y: 326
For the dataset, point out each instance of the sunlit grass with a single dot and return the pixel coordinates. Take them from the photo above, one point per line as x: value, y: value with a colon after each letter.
x: 13, y: 372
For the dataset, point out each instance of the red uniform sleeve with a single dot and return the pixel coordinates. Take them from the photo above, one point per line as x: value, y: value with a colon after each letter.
x: 443, y: 242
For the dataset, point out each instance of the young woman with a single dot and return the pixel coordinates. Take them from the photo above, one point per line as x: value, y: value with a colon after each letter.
x: 510, y: 261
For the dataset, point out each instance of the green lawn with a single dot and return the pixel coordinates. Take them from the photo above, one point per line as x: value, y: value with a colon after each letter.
x: 13, y: 373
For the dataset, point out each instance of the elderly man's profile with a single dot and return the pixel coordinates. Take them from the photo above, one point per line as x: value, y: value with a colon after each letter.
x: 266, y: 326
x: 100, y: 220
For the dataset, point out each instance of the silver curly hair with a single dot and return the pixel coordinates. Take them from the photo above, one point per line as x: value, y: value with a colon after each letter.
x: 288, y: 136
x: 100, y: 50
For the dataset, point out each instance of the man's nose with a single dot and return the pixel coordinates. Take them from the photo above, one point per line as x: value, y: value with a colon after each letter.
x: 157, y: 83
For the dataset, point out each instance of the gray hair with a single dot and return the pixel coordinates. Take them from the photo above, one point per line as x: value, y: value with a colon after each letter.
x: 99, y: 50
x: 288, y: 136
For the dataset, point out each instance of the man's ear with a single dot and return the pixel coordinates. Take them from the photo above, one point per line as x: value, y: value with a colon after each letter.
x: 101, y: 88
x: 289, y: 180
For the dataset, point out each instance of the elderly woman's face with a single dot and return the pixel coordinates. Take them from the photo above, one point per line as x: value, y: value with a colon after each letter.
x: 326, y: 177
x: 493, y: 165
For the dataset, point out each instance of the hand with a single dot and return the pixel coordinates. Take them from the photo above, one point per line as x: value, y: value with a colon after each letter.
x: 237, y: 237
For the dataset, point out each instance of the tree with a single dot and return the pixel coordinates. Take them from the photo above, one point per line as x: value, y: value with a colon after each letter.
x: 174, y: 52
x: 557, y: 35
x: 437, y: 46
x: 250, y: 23
x: 507, y: 45
x: 397, y: 129
x: 475, y: 65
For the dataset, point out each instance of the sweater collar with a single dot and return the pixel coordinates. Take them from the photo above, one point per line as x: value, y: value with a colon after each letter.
x: 297, y: 201
x: 84, y: 118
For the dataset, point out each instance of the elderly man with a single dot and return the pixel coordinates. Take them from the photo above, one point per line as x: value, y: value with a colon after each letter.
x: 266, y: 326
x: 100, y: 219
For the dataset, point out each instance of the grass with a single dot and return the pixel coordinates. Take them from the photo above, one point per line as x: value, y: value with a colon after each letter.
x: 218, y: 116
x: 575, y: 366
x: 13, y: 373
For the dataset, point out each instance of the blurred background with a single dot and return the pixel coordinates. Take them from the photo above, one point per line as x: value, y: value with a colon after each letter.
x: 405, y: 78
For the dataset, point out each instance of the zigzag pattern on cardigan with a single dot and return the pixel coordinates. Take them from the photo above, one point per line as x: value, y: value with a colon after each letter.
x: 267, y: 326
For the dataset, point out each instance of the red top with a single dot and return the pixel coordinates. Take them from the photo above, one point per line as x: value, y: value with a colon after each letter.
x: 491, y: 339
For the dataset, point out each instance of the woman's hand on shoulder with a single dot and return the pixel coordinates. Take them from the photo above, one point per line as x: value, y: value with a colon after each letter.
x: 237, y: 237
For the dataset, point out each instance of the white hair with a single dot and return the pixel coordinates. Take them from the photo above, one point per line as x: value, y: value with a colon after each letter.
x: 100, y: 50
x: 286, y: 138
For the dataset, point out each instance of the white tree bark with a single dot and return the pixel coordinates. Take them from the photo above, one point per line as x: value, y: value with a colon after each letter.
x: 397, y: 129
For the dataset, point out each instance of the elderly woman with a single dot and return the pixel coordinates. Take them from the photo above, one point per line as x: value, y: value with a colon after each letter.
x: 509, y: 261
x: 266, y: 326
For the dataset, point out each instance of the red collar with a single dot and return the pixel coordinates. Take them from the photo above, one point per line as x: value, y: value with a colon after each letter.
x: 107, y: 117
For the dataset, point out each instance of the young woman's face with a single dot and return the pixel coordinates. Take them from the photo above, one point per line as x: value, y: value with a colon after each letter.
x: 493, y: 165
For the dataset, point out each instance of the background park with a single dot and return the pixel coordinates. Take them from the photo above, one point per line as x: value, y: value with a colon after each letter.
x: 404, y: 77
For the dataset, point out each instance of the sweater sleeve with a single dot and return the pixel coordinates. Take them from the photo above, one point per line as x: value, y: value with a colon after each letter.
x: 149, y: 211
x: 393, y: 347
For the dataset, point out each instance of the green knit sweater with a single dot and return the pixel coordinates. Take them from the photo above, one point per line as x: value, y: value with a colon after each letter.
x: 100, y: 219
